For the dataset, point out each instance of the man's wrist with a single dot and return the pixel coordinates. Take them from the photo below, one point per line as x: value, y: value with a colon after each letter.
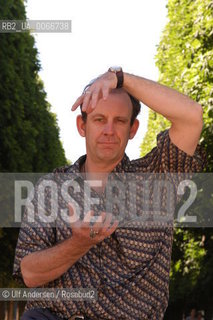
x: 119, y: 74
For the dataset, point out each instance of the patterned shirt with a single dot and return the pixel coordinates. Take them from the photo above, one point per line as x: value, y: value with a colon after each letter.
x: 130, y: 268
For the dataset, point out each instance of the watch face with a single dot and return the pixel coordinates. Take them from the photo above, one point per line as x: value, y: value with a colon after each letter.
x: 115, y: 69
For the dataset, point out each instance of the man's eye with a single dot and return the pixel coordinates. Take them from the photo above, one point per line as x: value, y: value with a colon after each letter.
x: 99, y: 119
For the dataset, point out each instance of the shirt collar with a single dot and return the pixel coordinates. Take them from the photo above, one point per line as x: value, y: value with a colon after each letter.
x: 121, y: 167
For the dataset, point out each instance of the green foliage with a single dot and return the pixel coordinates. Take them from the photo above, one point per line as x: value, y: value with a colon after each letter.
x: 29, y: 134
x: 185, y: 58
x: 185, y: 62
x: 7, y: 247
x: 156, y: 124
x: 188, y: 255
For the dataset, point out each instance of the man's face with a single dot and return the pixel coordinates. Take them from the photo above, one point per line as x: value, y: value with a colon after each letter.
x: 107, y: 129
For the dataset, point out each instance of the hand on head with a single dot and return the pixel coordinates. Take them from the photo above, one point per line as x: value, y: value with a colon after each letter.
x: 99, y: 89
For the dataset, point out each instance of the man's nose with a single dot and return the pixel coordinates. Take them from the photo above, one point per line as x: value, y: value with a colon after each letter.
x: 109, y: 128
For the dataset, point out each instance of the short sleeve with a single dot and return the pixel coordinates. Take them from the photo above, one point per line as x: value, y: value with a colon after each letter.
x: 33, y: 236
x: 31, y: 239
x: 173, y: 159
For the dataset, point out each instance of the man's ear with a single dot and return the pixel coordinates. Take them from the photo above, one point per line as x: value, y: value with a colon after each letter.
x: 80, y: 125
x: 134, y: 129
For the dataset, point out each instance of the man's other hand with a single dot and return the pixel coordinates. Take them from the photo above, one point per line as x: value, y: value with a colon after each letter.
x: 91, y: 231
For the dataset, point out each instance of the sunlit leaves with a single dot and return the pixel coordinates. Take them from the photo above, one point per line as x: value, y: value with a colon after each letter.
x: 185, y: 62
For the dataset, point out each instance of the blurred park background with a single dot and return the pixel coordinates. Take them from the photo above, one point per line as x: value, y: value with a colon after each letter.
x: 30, y: 139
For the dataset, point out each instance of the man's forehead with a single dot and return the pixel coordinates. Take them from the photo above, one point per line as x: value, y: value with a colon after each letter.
x: 115, y: 98
x: 109, y: 115
x: 115, y: 105
x: 120, y: 93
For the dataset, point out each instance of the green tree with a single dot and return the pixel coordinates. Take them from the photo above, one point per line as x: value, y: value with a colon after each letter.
x: 185, y: 62
x: 29, y: 134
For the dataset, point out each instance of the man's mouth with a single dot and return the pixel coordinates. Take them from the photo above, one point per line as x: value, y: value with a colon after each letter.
x: 107, y: 143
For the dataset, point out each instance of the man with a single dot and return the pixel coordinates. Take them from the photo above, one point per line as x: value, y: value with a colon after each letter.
x: 129, y: 267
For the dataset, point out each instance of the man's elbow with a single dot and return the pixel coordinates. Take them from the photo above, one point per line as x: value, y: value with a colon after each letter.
x: 27, y: 276
x: 29, y: 283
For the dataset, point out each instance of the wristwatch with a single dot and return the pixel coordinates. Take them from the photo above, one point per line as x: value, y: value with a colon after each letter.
x: 119, y: 74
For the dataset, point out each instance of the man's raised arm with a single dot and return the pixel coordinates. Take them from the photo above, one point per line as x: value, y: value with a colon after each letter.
x: 184, y: 113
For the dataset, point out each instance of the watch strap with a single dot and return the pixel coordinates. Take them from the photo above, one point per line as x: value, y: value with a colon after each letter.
x: 120, y: 76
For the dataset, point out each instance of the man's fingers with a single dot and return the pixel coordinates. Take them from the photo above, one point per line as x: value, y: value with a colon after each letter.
x: 95, y: 97
x: 110, y: 230
x: 78, y: 102
x: 91, y: 97
x: 104, y: 83
x: 100, y: 220
x: 105, y: 92
x: 107, y: 222
x: 74, y: 217
x: 86, y: 100
x: 89, y: 217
